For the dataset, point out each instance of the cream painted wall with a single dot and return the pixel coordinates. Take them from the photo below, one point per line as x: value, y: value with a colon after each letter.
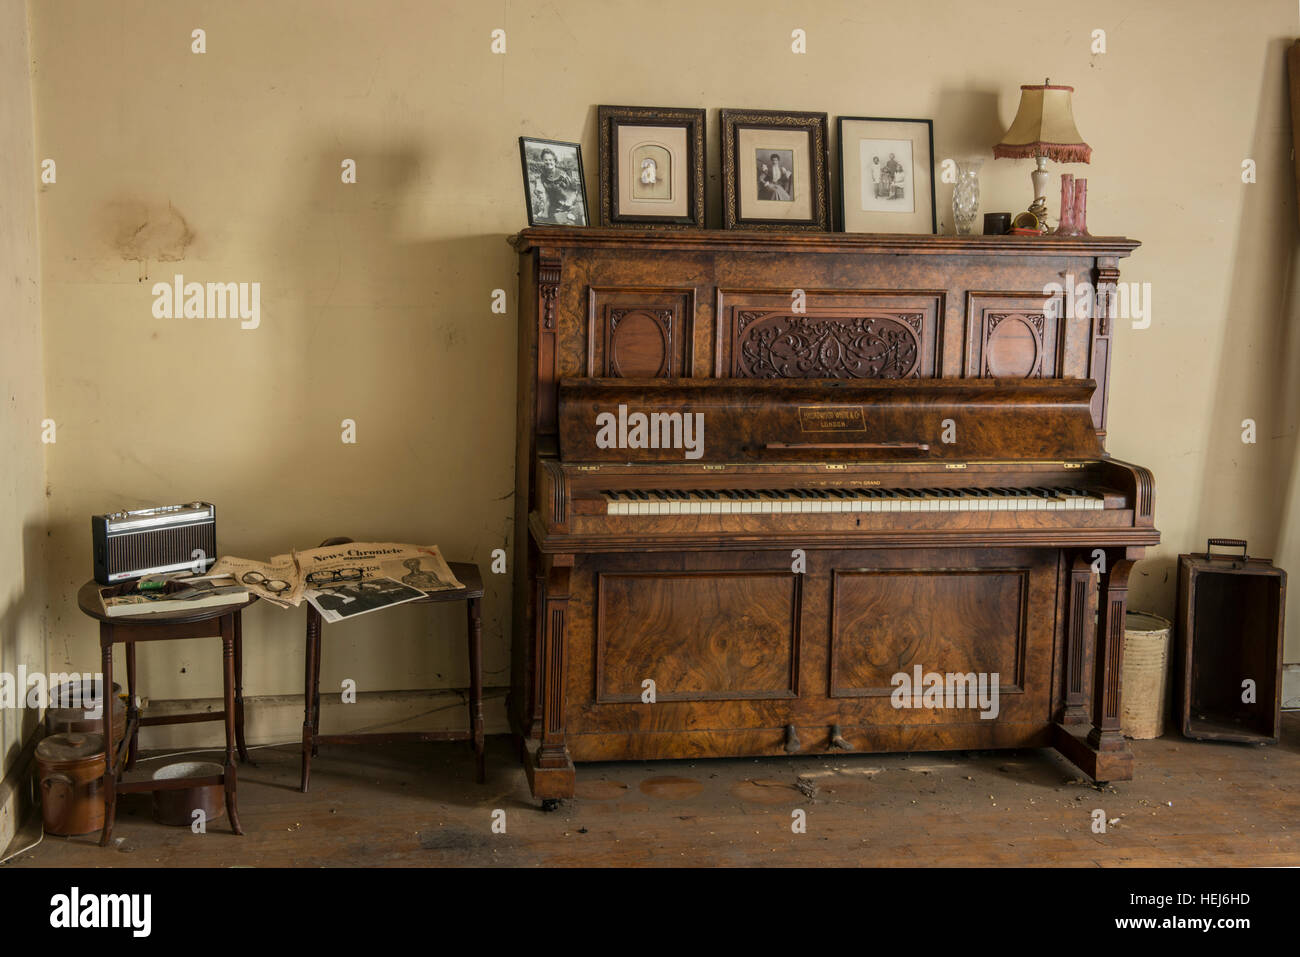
x: 225, y: 166
x: 22, y: 454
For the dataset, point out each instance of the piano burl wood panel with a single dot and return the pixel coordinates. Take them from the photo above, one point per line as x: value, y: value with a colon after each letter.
x: 944, y: 620
x: 696, y: 635
x: 903, y: 463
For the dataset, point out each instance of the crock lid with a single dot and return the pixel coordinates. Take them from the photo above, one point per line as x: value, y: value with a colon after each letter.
x: 72, y: 746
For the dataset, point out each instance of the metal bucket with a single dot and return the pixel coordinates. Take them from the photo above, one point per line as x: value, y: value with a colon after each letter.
x: 176, y: 807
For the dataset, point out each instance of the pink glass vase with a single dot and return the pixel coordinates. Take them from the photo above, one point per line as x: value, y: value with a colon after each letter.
x: 1066, y: 225
x: 1081, y: 207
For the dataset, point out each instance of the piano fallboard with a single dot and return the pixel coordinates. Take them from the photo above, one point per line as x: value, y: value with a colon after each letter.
x: 809, y: 420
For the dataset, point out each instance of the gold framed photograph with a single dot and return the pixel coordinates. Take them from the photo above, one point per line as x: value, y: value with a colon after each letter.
x: 651, y: 166
x: 886, y: 175
x: 774, y: 170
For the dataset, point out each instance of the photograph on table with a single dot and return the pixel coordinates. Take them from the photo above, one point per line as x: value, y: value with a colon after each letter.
x: 886, y: 175
x: 348, y: 599
x: 651, y: 166
x: 554, y: 188
x: 774, y: 170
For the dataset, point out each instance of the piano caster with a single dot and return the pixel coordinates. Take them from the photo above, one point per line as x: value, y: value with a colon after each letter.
x: 791, y: 740
x: 837, y: 739
x: 550, y: 804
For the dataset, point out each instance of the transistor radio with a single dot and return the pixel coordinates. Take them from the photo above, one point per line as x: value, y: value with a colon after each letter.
x: 153, y: 541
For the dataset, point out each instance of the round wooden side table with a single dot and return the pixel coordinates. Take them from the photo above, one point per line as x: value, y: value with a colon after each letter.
x: 221, y: 621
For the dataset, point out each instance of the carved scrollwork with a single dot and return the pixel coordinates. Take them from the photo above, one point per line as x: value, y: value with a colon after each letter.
x: 782, y: 346
x: 548, y: 286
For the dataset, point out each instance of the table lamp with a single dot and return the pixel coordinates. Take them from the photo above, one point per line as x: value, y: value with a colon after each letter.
x: 1043, y: 128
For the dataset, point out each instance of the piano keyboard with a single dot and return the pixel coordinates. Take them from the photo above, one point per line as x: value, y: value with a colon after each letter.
x: 785, y: 501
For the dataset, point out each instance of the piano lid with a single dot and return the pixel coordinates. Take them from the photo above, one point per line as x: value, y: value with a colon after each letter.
x: 746, y: 420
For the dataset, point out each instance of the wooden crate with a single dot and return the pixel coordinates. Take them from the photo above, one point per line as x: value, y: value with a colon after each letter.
x: 1230, y: 627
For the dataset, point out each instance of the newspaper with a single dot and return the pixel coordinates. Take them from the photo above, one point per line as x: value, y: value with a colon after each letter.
x: 285, y: 579
x: 276, y: 581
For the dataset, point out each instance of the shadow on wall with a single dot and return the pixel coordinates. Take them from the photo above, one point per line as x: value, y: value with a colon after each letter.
x: 375, y: 326
x: 363, y: 319
x: 22, y: 641
x: 970, y: 124
x: 1265, y: 270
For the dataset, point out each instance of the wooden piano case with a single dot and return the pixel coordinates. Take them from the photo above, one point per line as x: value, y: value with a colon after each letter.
x: 1230, y: 628
x: 749, y: 651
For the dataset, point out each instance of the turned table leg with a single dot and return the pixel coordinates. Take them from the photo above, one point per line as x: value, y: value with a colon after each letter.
x: 240, y: 743
x: 476, y: 686
x: 228, y: 690
x: 110, y: 772
x: 132, y: 706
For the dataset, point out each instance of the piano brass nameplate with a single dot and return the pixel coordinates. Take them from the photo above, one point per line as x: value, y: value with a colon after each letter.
x: 832, y: 418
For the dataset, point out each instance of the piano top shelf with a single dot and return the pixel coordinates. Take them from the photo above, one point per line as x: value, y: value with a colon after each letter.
x: 539, y: 237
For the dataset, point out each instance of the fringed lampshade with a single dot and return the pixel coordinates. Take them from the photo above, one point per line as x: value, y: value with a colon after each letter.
x: 1044, y: 129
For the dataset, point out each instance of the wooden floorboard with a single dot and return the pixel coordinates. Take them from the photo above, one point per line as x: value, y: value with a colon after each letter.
x: 414, y: 804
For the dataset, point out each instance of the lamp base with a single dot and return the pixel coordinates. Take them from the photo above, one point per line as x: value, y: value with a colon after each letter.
x: 1039, y: 206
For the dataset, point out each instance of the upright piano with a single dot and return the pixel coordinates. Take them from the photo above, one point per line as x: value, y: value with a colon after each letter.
x: 766, y: 484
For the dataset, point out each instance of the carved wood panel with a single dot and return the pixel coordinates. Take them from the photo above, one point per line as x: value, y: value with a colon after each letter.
x: 1019, y: 335
x: 810, y: 334
x: 640, y: 332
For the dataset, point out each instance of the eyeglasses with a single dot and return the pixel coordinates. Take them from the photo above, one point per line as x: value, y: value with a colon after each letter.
x: 324, y: 577
x: 273, y: 585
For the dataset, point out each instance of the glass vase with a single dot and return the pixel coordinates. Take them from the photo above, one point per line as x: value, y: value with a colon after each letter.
x: 966, y: 196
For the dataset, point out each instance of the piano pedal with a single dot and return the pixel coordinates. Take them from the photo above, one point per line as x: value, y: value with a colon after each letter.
x: 791, y: 740
x: 837, y: 739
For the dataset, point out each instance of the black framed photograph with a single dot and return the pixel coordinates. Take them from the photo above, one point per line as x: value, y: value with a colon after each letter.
x: 774, y: 170
x: 651, y: 166
x: 554, y: 189
x: 886, y: 175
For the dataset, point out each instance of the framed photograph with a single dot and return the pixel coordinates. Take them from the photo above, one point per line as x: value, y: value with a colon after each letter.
x: 774, y: 170
x: 651, y: 166
x: 554, y: 189
x: 886, y: 175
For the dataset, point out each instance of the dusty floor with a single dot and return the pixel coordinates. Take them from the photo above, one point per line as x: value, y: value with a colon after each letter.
x: 417, y: 804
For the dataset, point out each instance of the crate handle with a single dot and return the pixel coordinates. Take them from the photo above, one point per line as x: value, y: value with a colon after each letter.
x: 1225, y: 543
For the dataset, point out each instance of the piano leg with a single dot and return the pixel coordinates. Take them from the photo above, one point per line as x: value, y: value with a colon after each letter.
x: 1104, y: 755
x: 550, y: 768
